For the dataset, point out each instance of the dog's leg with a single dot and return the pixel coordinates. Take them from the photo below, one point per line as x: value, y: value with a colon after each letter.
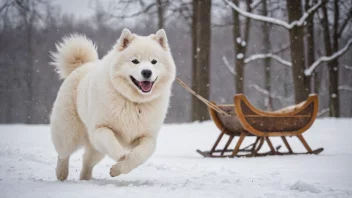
x: 62, y: 168
x: 91, y: 157
x: 104, y: 140
x: 144, y: 148
x: 67, y: 135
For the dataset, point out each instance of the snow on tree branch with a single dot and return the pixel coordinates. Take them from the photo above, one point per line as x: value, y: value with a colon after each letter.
x: 322, y: 112
x: 347, y: 88
x: 274, y: 21
x: 322, y: 59
x: 227, y: 64
x: 263, y: 56
x: 267, y: 93
x: 281, y: 49
x: 348, y: 67
x: 345, y: 22
x: 255, y: 4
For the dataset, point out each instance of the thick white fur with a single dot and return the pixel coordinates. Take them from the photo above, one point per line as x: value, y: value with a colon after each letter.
x: 98, y: 106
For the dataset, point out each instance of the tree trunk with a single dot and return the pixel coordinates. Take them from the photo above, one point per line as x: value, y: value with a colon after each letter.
x: 239, y: 64
x: 239, y: 70
x: 311, y: 49
x: 267, y: 61
x: 333, y: 89
x: 201, y: 32
x: 333, y: 65
x: 29, y: 75
x: 300, y: 81
x: 240, y: 45
x: 160, y: 14
x: 28, y: 20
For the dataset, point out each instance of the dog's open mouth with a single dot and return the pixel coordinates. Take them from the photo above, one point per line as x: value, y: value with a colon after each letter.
x: 144, y: 86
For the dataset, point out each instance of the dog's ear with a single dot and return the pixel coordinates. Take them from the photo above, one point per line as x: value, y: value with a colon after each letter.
x: 160, y: 37
x: 124, y: 40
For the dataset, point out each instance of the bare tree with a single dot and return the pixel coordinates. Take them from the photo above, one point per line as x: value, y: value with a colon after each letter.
x: 160, y: 5
x: 240, y: 40
x: 242, y: 59
x: 267, y: 61
x: 28, y: 16
x: 163, y: 9
x: 201, y: 39
x: 332, y: 37
x: 297, y: 19
x: 300, y: 81
x: 310, y: 46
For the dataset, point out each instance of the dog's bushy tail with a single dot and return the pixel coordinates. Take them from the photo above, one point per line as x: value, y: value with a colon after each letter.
x: 72, y: 52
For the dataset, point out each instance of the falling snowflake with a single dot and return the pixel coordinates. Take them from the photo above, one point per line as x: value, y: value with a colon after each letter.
x: 243, y: 43
x: 333, y: 95
x: 335, y: 68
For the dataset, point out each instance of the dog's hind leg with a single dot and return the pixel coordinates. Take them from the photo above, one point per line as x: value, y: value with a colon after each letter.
x: 91, y: 157
x: 68, y: 134
x: 62, y: 168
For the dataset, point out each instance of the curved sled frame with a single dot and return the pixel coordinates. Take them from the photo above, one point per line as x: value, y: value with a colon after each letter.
x: 215, y: 117
x: 240, y: 99
x: 238, y: 124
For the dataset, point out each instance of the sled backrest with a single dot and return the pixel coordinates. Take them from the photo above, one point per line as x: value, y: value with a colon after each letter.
x: 228, y: 124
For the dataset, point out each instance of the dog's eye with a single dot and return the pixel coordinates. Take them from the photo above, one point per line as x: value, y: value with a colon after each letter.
x: 135, y: 61
x: 154, y: 61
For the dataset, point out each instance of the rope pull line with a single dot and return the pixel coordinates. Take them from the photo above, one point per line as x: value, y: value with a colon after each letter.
x: 205, y: 101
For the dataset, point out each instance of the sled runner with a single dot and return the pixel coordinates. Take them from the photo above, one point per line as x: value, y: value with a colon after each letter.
x: 242, y: 119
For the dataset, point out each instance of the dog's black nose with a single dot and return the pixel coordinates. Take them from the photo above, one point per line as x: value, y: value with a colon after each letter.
x: 146, y: 73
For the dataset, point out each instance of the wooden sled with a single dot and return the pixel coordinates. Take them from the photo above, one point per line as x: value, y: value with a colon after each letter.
x: 242, y: 119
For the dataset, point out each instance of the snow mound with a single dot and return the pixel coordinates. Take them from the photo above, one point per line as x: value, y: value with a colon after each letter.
x: 303, y: 187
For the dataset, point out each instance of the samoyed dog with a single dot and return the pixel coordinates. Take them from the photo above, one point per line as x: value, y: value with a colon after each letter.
x: 114, y: 106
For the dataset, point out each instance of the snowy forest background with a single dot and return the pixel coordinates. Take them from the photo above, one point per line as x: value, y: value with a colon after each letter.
x: 207, y: 39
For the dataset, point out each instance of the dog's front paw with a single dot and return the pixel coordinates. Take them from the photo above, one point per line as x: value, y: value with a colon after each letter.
x: 121, y: 167
x: 118, y: 169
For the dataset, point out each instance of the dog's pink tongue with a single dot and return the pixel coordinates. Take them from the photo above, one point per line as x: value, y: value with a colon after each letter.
x: 146, y: 86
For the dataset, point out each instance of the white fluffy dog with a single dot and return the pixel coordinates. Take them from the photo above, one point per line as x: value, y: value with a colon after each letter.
x: 114, y: 106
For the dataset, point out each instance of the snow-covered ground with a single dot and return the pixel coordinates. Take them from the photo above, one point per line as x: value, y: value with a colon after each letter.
x: 27, y: 163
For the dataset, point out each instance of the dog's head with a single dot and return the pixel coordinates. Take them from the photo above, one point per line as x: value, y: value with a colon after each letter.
x: 142, y: 67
